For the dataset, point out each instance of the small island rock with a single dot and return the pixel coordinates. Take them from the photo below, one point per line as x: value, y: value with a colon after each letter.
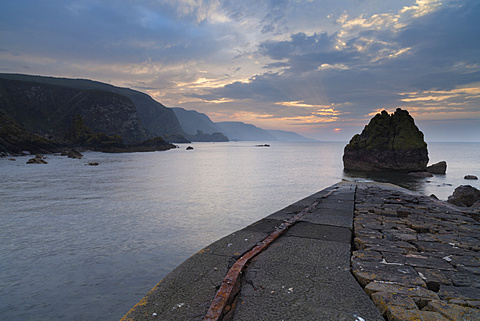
x: 464, y: 195
x: 388, y: 143
x: 438, y: 168
x: 470, y: 177
x: 189, y: 148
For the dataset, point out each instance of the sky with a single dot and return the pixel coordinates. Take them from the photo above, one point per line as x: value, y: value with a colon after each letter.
x: 320, y: 68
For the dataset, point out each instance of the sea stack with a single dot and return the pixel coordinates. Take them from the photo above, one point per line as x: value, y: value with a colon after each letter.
x: 388, y: 143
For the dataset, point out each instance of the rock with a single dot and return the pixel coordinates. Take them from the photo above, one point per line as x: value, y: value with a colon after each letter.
x: 470, y: 177
x: 264, y: 145
x: 388, y: 143
x: 38, y: 159
x: 74, y: 154
x: 476, y: 204
x: 93, y: 164
x: 464, y: 195
x: 453, y: 311
x: 420, y: 174
x: 189, y: 148
x: 438, y: 168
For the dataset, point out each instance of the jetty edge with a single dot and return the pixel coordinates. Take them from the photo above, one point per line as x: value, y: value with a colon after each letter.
x: 365, y: 251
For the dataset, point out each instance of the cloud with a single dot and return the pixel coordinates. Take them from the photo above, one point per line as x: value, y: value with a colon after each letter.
x: 434, y: 48
x: 286, y: 61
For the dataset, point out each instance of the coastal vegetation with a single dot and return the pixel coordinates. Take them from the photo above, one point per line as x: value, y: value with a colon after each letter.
x: 388, y: 142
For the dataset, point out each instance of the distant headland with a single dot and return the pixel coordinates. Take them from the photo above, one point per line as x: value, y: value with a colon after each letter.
x: 46, y: 115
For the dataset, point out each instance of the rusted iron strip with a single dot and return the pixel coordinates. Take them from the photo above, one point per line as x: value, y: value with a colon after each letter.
x: 230, y: 284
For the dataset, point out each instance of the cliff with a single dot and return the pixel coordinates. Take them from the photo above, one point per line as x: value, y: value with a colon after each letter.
x: 242, y: 131
x: 49, y: 110
x: 198, y: 126
x: 156, y: 119
x: 14, y: 139
x: 193, y: 121
x: 388, y: 142
x: 41, y: 117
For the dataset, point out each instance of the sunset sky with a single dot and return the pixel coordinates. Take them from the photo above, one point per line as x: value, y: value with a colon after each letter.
x: 319, y: 68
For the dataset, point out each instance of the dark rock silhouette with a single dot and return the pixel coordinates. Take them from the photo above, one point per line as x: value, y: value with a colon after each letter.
x: 470, y: 177
x: 438, y: 168
x: 465, y: 195
x: 38, y: 159
x: 388, y: 143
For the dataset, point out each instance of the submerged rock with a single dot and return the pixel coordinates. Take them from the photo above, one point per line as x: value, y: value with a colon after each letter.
x: 388, y: 143
x: 464, y: 195
x: 38, y: 159
x: 438, y: 168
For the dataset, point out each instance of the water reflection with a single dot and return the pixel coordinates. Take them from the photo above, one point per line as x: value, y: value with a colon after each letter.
x: 413, y: 183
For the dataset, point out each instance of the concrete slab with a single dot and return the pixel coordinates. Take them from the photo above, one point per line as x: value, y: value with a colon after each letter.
x: 265, y: 225
x: 185, y: 293
x: 308, y: 251
x: 321, y: 232
x: 330, y: 216
x: 235, y: 244
x: 276, y: 290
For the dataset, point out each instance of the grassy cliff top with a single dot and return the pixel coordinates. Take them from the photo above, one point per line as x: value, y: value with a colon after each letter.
x: 389, y: 132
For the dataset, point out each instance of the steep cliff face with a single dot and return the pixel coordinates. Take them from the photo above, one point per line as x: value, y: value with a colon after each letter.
x: 107, y: 113
x: 156, y: 118
x: 47, y: 109
x: 15, y: 140
x: 388, y: 142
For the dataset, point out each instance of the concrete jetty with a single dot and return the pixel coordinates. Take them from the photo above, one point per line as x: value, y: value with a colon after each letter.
x: 354, y: 251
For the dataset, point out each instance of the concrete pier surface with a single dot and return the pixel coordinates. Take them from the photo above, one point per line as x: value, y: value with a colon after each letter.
x: 354, y: 251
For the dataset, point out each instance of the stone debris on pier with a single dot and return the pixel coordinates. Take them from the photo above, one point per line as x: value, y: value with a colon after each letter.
x: 367, y: 251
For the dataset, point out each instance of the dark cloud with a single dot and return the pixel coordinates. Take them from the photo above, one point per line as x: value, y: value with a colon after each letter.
x: 355, y: 56
x: 371, y: 78
x: 102, y: 32
x: 299, y: 43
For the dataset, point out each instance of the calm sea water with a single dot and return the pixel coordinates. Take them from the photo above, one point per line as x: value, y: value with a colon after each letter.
x: 82, y: 242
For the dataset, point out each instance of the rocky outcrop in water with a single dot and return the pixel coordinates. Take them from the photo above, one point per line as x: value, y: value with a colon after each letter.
x: 38, y: 159
x: 465, y: 195
x: 438, y: 168
x: 388, y: 143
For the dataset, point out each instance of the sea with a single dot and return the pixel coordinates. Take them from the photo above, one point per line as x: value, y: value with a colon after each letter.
x: 81, y: 242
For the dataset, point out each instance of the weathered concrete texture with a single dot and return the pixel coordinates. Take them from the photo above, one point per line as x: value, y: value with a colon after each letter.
x: 186, y: 293
x: 418, y: 258
x: 410, y: 257
x: 304, y: 275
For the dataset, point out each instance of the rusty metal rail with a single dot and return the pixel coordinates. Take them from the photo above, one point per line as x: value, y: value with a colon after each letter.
x: 224, y: 302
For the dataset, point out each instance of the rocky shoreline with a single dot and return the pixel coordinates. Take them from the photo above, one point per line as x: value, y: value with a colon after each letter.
x: 416, y: 257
